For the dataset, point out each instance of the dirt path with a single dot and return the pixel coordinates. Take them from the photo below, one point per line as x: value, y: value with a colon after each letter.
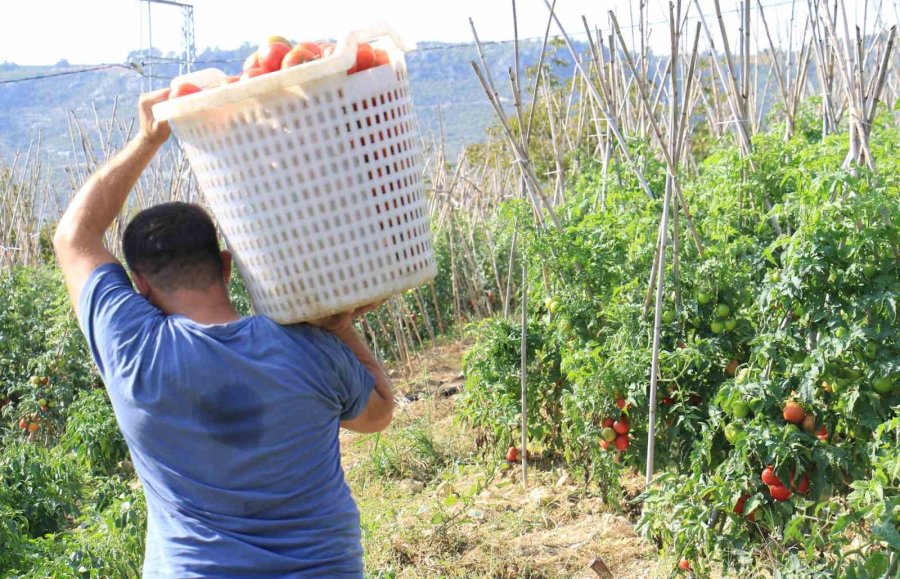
x: 432, y: 505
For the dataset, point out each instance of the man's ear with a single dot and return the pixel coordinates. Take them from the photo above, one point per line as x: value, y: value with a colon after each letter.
x: 143, y: 286
x: 226, y: 265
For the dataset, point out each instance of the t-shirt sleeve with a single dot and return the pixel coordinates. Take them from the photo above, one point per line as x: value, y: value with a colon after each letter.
x: 113, y: 317
x: 355, y: 380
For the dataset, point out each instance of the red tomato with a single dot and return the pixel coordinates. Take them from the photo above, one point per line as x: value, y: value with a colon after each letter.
x: 769, y: 478
x: 622, y: 442
x: 365, y: 58
x: 739, y: 506
x: 33, y: 426
x: 381, y: 57
x: 270, y: 55
x: 313, y: 47
x: 822, y: 434
x: 731, y: 368
x: 621, y: 426
x: 621, y: 404
x: 297, y: 55
x: 251, y: 61
x: 608, y: 422
x: 685, y: 565
x: 252, y: 72
x: 793, y: 413
x: 803, y: 485
x: 604, y: 445
x: 512, y: 455
x: 779, y: 492
x: 182, y: 89
x: 23, y: 424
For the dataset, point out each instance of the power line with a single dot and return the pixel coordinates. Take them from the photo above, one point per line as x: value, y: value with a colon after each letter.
x: 68, y: 72
x: 137, y: 67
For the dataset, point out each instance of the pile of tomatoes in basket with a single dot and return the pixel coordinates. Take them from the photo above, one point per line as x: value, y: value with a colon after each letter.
x: 278, y: 53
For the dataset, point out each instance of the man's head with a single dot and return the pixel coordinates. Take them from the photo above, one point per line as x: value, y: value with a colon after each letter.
x: 172, y: 247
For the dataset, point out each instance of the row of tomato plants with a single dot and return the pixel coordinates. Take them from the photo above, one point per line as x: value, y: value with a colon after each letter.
x: 777, y: 432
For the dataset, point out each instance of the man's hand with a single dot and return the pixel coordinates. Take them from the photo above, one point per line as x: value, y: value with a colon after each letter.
x: 153, y: 131
x: 343, y: 321
x: 79, y: 234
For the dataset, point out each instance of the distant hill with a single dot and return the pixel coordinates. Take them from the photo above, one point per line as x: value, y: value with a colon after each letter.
x: 441, y: 78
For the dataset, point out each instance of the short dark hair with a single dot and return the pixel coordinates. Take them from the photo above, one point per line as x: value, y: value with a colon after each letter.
x: 175, y: 245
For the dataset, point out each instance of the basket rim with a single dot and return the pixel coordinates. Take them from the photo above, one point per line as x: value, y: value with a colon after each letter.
x: 342, y: 59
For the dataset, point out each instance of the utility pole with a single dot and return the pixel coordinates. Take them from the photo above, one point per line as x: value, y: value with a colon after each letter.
x: 188, y: 45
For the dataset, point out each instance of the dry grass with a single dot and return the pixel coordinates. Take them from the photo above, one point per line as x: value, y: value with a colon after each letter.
x: 433, y: 506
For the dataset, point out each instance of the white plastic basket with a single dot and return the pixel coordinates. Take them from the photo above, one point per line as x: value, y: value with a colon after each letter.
x: 315, y: 179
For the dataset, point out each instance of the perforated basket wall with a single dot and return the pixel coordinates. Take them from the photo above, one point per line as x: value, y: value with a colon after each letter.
x: 318, y: 191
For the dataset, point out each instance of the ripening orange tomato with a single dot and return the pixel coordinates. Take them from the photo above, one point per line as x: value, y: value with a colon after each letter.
x: 182, y: 89
x: 365, y: 58
x: 270, y: 55
x: 298, y: 55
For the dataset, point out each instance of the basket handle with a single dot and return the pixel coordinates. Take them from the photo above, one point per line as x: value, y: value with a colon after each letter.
x: 340, y: 60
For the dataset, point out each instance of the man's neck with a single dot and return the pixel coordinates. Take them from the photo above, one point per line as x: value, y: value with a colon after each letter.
x: 204, y: 306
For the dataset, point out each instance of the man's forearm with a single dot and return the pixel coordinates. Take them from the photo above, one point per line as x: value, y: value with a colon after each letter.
x: 101, y: 198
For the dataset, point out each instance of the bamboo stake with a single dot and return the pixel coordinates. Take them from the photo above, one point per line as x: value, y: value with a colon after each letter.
x: 606, y: 113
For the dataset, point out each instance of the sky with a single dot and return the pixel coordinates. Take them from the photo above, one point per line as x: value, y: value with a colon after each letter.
x: 43, y: 31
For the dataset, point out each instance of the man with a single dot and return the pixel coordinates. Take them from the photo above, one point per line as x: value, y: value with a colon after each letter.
x: 232, y: 421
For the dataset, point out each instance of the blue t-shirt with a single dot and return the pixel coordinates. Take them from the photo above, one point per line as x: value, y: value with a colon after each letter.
x: 233, y: 431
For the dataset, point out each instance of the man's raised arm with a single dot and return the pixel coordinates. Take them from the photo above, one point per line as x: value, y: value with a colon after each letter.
x: 79, y: 235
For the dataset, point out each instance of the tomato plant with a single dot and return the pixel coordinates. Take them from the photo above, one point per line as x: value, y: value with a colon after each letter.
x: 778, y: 365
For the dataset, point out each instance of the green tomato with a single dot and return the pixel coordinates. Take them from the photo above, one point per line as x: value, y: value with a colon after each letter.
x: 883, y: 385
x: 841, y: 332
x: 547, y: 302
x: 742, y: 376
x: 722, y: 310
x: 730, y: 324
x: 756, y: 404
x: 42, y: 402
x: 740, y: 409
x: 775, y: 276
x: 703, y: 298
x: 808, y: 362
x: 554, y: 305
x: 716, y: 327
x: 869, y: 270
x: 668, y: 316
x: 35, y: 380
x: 732, y: 432
x: 608, y: 434
x: 871, y: 350
x: 837, y: 385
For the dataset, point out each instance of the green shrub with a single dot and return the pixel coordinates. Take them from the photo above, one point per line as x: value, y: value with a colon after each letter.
x: 41, y: 485
x: 92, y: 432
